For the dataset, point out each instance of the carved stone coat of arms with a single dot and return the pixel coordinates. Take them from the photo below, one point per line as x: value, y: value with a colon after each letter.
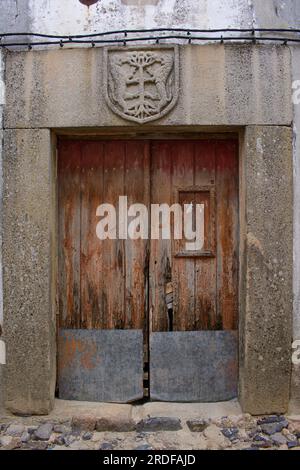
x: 141, y: 84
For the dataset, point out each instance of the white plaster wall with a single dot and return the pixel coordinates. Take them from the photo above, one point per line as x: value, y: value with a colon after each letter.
x: 72, y: 17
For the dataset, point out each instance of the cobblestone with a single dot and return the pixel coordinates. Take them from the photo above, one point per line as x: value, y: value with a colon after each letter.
x: 79, y: 433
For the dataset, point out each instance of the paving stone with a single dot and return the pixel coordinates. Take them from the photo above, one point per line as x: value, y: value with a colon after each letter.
x: 293, y: 444
x: 69, y: 439
x: 152, y: 433
x: 271, y: 419
x: 25, y: 436
x: 115, y: 425
x: 159, y: 424
x: 15, y: 430
x: 61, y: 429
x: 44, y: 432
x: 35, y: 445
x: 59, y: 440
x: 272, y: 428
x: 261, y: 437
x: 32, y: 429
x: 230, y: 433
x: 262, y: 444
x: 197, y: 425
x: 279, y: 439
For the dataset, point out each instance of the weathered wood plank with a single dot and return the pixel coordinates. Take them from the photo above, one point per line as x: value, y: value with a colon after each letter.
x: 69, y: 163
x: 160, y: 250
x: 183, y: 269
x: 91, y: 262
x: 137, y: 188
x: 113, y: 267
x: 205, y: 283
x: 227, y: 233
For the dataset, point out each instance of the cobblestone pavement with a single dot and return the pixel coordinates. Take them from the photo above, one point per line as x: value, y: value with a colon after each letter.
x: 156, y: 433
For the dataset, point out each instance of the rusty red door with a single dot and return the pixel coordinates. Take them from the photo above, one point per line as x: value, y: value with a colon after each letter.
x: 122, y: 299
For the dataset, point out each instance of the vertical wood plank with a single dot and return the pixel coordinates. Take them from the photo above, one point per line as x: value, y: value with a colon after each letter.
x: 137, y: 189
x: 183, y: 269
x: 69, y: 162
x: 160, y: 267
x: 113, y: 254
x: 92, y: 308
x: 227, y: 233
x: 205, y: 268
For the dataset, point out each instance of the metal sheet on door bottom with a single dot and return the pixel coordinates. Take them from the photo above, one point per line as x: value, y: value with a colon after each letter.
x: 101, y: 365
x: 191, y: 366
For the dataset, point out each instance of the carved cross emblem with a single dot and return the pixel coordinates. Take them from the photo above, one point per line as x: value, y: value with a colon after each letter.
x: 141, y: 84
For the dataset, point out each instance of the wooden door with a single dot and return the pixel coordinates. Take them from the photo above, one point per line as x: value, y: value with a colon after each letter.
x: 114, y: 293
x: 194, y: 294
x: 103, y: 284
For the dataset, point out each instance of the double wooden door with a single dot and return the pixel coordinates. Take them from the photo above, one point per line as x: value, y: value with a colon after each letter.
x: 153, y: 285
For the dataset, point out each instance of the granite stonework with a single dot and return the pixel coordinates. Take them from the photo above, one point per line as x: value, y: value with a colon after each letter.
x: 221, y: 88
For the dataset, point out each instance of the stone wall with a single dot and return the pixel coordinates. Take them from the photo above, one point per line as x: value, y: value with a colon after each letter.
x: 65, y: 89
x: 73, y: 17
x: 2, y: 96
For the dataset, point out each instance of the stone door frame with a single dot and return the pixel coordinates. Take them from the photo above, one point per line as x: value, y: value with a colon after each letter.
x: 34, y: 117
